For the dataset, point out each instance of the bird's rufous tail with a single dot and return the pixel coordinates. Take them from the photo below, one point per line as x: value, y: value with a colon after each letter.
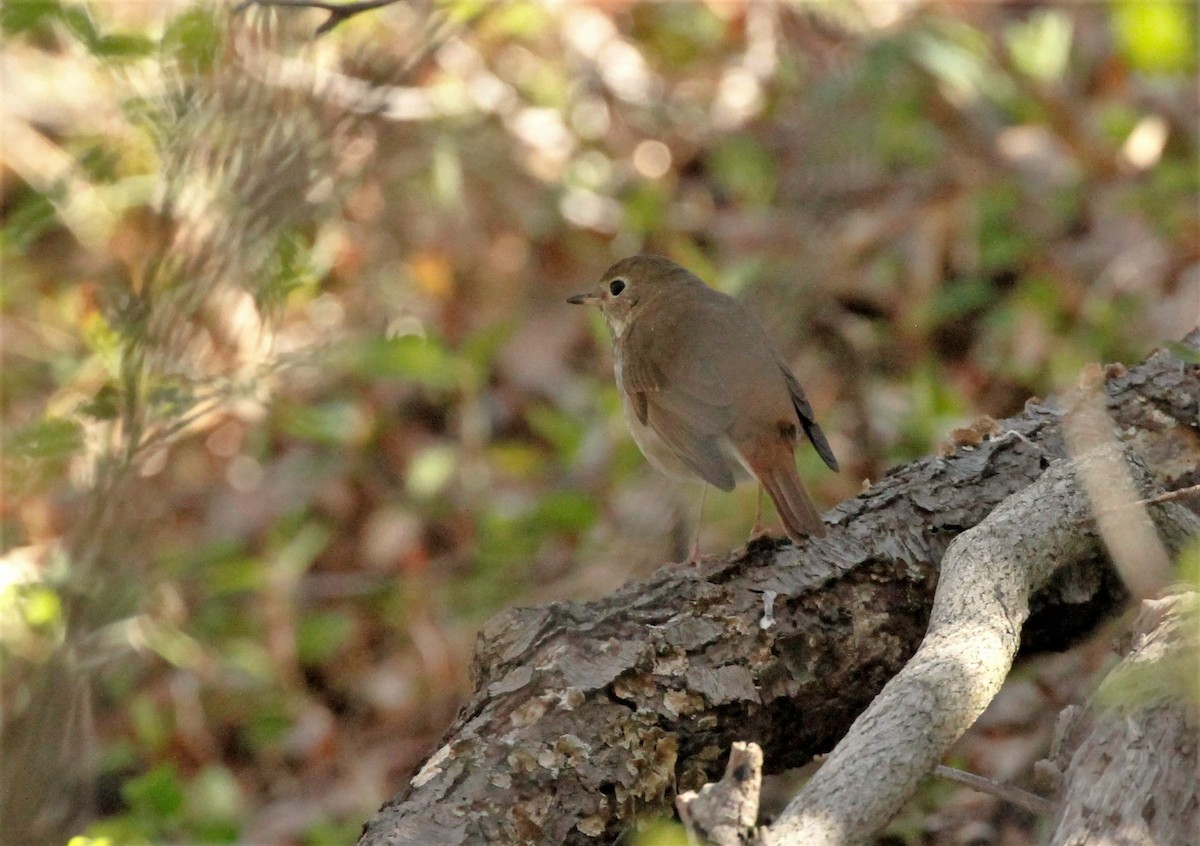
x: 796, y: 510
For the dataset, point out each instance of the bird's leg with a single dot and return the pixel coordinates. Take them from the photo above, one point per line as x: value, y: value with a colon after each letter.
x: 758, y: 528
x: 694, y: 555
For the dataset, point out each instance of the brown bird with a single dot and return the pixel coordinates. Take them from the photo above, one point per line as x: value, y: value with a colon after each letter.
x: 704, y: 389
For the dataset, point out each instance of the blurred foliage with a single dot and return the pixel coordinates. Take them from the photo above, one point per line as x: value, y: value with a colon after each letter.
x: 292, y: 401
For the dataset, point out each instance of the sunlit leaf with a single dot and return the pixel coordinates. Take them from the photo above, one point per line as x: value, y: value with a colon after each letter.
x: 1156, y: 36
x: 214, y: 794
x: 431, y: 470
x: 520, y: 19
x: 42, y: 607
x: 956, y: 55
x: 662, y: 832
x: 462, y: 11
x: 1041, y: 45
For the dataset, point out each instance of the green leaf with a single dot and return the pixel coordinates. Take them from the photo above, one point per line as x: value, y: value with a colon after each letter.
x: 1183, y: 352
x: 105, y: 405
x: 520, y: 19
x: 745, y: 168
x: 42, y: 607
x: 1003, y: 241
x: 124, y: 45
x: 193, y: 39
x: 645, y: 207
x: 960, y: 298
x: 240, y: 574
x: 679, y: 34
x: 157, y: 793
x: 79, y: 22
x: 661, y: 832
x: 564, y: 511
x: 465, y: 11
x: 53, y: 437
x: 334, y: 423
x: 422, y: 360
x: 321, y: 634
x: 31, y: 215
x: 333, y: 832
x: 564, y: 431
x: 28, y: 15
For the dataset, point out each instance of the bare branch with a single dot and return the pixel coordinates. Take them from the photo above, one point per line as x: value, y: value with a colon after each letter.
x: 981, y: 604
x: 338, y: 12
x: 1013, y: 795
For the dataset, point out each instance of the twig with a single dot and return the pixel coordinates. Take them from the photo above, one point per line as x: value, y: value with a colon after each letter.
x: 1013, y: 795
x: 1170, y: 496
x: 338, y: 12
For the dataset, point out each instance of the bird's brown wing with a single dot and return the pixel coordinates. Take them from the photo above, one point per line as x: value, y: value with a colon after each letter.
x: 682, y: 401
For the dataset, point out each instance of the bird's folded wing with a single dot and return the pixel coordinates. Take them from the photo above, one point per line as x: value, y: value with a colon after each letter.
x: 701, y: 453
x: 683, y: 402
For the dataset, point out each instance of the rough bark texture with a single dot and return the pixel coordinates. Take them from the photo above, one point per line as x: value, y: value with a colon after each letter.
x: 725, y: 813
x: 587, y: 716
x: 982, y: 601
x: 1133, y: 774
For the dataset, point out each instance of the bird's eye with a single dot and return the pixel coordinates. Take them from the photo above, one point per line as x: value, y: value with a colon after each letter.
x: 616, y: 286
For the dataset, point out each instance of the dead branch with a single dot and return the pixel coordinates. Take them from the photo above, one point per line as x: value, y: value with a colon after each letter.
x: 586, y: 716
x: 982, y: 601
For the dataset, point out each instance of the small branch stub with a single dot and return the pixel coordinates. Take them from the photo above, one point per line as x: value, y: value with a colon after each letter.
x: 724, y: 813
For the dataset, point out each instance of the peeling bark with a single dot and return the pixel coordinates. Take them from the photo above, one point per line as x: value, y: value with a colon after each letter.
x: 589, y: 716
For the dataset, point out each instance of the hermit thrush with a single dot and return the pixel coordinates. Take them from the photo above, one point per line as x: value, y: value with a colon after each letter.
x: 704, y: 389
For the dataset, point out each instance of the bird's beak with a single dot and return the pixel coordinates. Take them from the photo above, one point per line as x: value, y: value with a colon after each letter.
x: 582, y: 299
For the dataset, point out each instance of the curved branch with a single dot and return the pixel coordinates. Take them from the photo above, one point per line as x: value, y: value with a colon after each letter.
x: 988, y: 577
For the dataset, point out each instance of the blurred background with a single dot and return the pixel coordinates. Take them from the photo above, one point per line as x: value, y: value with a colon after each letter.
x: 292, y: 401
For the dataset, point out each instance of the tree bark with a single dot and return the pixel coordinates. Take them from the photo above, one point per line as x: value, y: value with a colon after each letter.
x: 1132, y: 768
x: 589, y: 716
x: 981, y: 604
